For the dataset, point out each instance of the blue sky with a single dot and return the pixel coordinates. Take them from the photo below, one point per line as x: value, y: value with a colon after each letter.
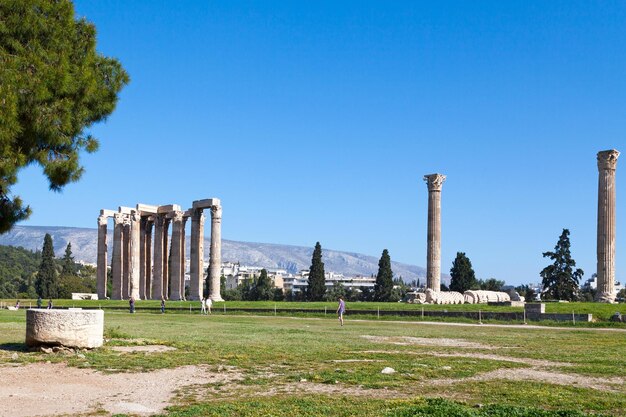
x: 315, y: 121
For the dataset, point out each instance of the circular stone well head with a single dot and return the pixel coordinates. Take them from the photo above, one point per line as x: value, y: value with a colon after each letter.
x: 71, y: 328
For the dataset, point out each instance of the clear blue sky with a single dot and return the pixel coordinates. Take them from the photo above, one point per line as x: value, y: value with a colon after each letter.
x: 315, y: 121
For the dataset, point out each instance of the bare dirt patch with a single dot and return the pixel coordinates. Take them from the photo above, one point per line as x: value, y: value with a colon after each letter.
x: 484, y: 356
x: 538, y: 375
x: 44, y: 389
x: 144, y: 349
x: 424, y: 341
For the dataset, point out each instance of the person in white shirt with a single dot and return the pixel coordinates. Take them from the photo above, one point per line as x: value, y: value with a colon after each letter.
x: 208, y: 303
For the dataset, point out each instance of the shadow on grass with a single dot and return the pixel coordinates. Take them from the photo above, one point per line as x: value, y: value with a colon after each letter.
x: 14, y: 347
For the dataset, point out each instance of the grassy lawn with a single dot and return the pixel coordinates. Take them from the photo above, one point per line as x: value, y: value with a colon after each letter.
x: 312, y: 366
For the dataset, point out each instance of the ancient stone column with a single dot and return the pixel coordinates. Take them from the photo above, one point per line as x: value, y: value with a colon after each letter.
x: 182, y: 258
x: 142, y: 259
x: 196, y: 255
x: 126, y: 258
x: 101, y: 262
x: 215, y: 256
x: 117, y: 264
x: 607, y: 163
x: 135, y: 255
x: 165, y: 264
x: 175, y: 256
x: 159, y: 255
x: 147, y: 261
x: 433, y: 255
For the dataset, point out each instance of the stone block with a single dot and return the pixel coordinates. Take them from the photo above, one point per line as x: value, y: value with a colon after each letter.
x: 206, y: 203
x: 125, y: 210
x: 146, y: 209
x: 76, y: 328
x: 107, y: 213
x: 166, y: 209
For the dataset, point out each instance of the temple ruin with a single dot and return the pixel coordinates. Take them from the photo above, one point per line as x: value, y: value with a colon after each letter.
x: 146, y: 263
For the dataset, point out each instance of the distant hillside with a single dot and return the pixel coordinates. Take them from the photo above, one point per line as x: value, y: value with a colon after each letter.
x: 269, y: 255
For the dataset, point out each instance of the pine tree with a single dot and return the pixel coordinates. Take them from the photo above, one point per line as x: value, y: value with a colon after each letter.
x: 560, y: 280
x: 462, y: 277
x: 384, y: 278
x: 69, y: 268
x: 54, y: 86
x: 46, y: 283
x: 317, y: 279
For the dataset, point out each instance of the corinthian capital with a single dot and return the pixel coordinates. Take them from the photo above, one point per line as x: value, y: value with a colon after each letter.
x: 434, y: 181
x: 216, y: 212
x: 102, y: 220
x: 118, y: 218
x: 607, y: 159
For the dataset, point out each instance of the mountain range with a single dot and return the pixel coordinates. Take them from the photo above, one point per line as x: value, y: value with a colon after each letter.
x: 267, y: 255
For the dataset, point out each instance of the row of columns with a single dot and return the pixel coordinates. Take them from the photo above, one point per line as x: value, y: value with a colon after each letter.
x: 607, y: 164
x: 144, y: 267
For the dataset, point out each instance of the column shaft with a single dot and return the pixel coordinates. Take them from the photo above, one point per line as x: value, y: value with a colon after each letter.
x: 142, y: 259
x: 135, y: 257
x: 159, y: 255
x: 101, y: 262
x: 126, y: 259
x: 117, y: 260
x: 433, y: 251
x: 148, y: 259
x: 196, y: 255
x: 215, y: 257
x: 175, y: 257
x: 607, y: 163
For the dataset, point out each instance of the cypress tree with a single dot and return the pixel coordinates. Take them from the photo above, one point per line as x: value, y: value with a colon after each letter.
x: 462, y: 277
x: 69, y: 268
x: 384, y: 278
x: 46, y: 283
x: 317, y: 279
x: 560, y: 280
x: 264, y: 286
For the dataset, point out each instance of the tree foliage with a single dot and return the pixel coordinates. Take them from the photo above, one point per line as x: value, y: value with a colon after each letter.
x: 490, y: 284
x: 263, y: 289
x: 69, y: 267
x: 317, y: 276
x: 560, y: 279
x: 53, y: 86
x: 384, y: 278
x: 18, y: 268
x: 46, y: 284
x: 462, y: 277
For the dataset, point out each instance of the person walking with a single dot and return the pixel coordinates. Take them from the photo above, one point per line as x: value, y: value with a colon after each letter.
x: 162, y: 305
x: 50, y: 304
x: 209, y: 303
x: 203, y: 311
x: 341, y: 309
x: 17, y: 305
x: 131, y: 304
x: 39, y: 302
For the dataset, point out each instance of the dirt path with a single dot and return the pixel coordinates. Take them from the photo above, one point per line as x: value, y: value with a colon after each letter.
x: 45, y: 389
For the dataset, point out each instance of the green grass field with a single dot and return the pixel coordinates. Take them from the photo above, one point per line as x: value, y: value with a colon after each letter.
x: 312, y: 366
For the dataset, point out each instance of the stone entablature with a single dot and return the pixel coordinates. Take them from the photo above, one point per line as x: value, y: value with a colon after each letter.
x: 141, y: 257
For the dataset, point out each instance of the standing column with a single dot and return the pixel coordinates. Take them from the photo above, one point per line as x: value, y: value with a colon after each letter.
x: 165, y: 264
x: 101, y: 267
x: 215, y: 257
x: 196, y: 255
x: 433, y: 256
x: 175, y: 256
x: 159, y: 255
x: 117, y: 261
x: 142, y: 259
x: 135, y: 257
x: 607, y: 163
x: 148, y: 258
x: 126, y: 259
x: 182, y: 258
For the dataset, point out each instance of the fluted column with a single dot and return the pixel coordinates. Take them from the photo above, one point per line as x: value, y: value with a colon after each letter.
x: 126, y: 258
x: 182, y: 258
x: 147, y: 260
x: 117, y: 264
x: 142, y: 259
x: 196, y: 254
x: 433, y: 255
x: 215, y: 257
x: 135, y: 255
x: 165, y: 264
x: 175, y: 256
x: 159, y: 255
x: 101, y: 262
x: 607, y: 163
